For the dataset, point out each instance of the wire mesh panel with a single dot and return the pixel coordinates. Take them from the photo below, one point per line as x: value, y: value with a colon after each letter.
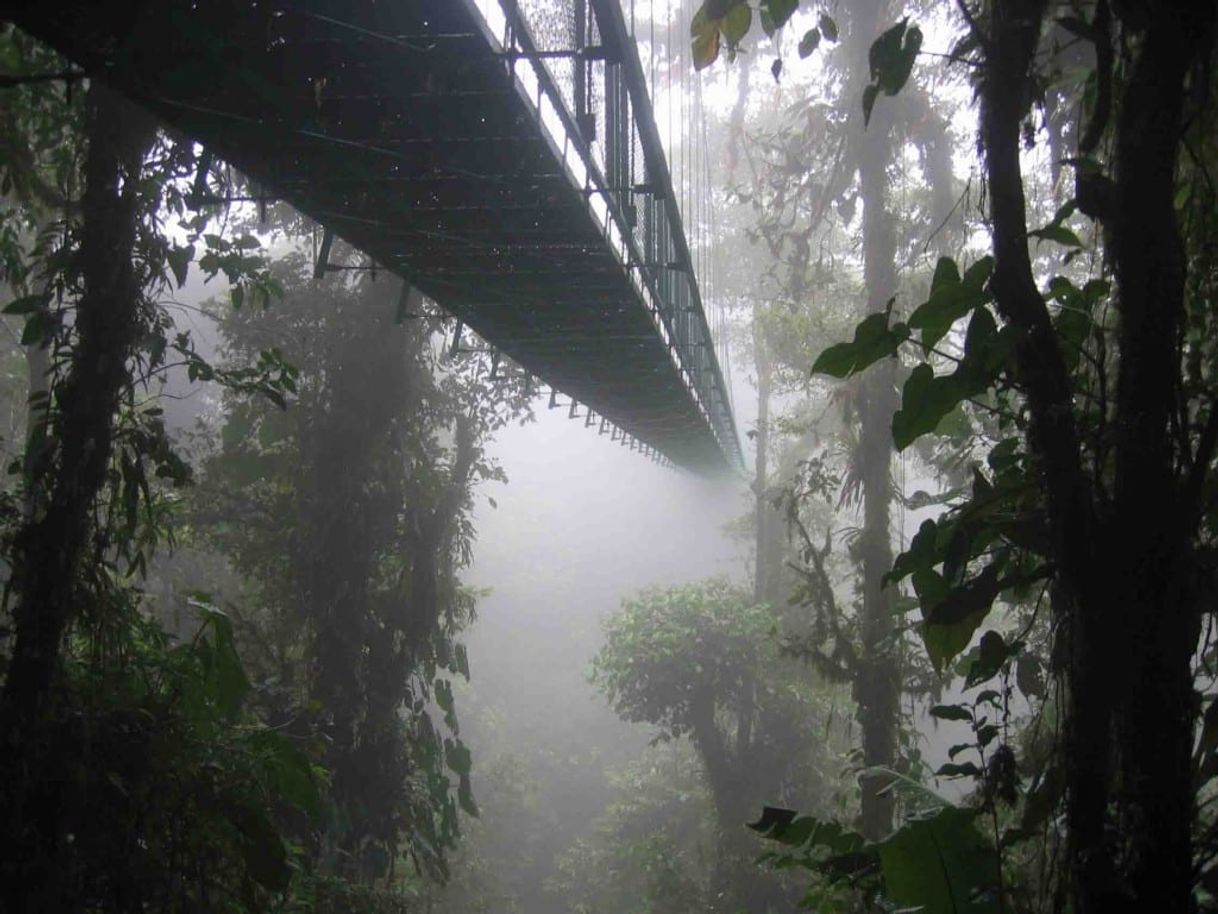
x: 585, y: 64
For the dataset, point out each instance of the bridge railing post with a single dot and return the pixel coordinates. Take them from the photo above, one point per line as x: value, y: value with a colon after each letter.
x: 621, y: 181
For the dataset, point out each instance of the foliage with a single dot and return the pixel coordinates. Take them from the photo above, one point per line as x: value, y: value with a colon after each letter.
x: 173, y: 796
x: 651, y: 850
x: 937, y: 862
x: 318, y: 894
x: 670, y: 654
x: 347, y: 516
x: 140, y: 772
x: 1102, y: 445
x: 1072, y: 394
x: 704, y: 662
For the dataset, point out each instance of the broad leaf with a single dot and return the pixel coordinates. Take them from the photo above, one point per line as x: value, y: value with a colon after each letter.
x: 958, y: 770
x: 809, y: 43
x: 923, y: 553
x: 1029, y: 676
x: 891, y: 58
x: 873, y: 340
x: 40, y: 328
x: 948, y: 624
x: 28, y: 304
x: 779, y: 11
x: 458, y: 758
x: 704, y: 39
x: 991, y: 655
x: 179, y: 259
x: 951, y: 298
x: 1058, y: 233
x: 951, y: 712
x: 943, y: 643
x: 940, y: 865
x: 737, y: 22
x: 925, y: 400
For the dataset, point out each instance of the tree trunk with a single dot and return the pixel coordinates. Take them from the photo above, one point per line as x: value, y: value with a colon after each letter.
x: 1157, y: 705
x: 767, y: 561
x: 1125, y: 575
x: 51, y: 544
x: 878, y: 682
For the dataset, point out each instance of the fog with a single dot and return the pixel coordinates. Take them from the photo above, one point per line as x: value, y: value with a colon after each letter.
x: 580, y: 524
x: 323, y: 603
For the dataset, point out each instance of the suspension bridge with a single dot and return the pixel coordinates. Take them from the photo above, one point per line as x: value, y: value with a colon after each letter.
x: 503, y: 156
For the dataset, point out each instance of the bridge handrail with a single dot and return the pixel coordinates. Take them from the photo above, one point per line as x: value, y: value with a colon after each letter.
x: 697, y: 339
x: 612, y: 24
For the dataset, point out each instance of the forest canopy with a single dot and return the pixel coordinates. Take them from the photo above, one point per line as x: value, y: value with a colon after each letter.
x: 961, y: 659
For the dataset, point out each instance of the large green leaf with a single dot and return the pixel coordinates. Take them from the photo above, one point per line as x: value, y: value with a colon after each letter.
x: 935, y: 864
x: 786, y: 827
x: 923, y: 553
x: 1074, y: 321
x: 949, y: 623
x: 925, y: 400
x: 179, y: 258
x: 704, y: 33
x: 266, y: 858
x: 289, y: 770
x: 951, y: 298
x: 458, y: 758
x: 809, y: 43
x: 940, y: 865
x: 891, y: 57
x: 40, y: 328
x: 737, y: 22
x: 992, y: 653
x: 224, y: 681
x: 775, y: 13
x: 873, y: 340
x: 952, y: 712
x: 28, y: 304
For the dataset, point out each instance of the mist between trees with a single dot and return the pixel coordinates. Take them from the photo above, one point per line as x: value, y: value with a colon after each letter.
x: 316, y: 603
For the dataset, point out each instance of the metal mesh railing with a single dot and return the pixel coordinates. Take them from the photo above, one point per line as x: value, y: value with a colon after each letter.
x: 579, y: 62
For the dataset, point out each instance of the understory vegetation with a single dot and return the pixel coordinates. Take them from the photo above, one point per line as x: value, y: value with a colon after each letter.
x: 960, y: 658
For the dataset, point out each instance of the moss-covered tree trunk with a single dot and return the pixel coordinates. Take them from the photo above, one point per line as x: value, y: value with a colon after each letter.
x: 68, y: 480
x: 1126, y: 558
x: 876, y: 688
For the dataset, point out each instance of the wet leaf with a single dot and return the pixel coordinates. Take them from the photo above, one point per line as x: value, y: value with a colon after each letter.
x: 891, y: 59
x: 705, y: 47
x: 778, y: 11
x: 179, y: 259
x: 873, y: 340
x: 951, y: 712
x: 939, y: 865
x: 737, y: 23
x: 992, y: 654
x: 809, y: 43
x: 27, y: 304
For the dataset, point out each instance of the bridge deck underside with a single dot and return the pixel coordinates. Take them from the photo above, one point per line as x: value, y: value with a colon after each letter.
x: 397, y: 125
